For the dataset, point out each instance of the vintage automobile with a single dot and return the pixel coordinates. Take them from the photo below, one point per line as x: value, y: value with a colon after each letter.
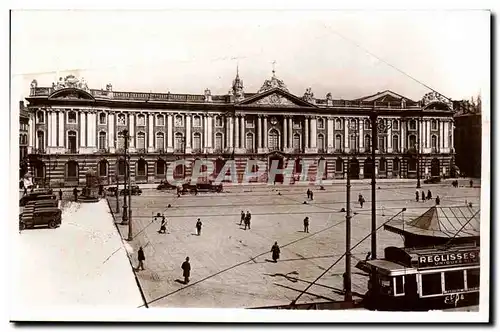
x: 135, y: 191
x: 111, y: 191
x: 433, y: 179
x: 43, y: 216
x: 165, y: 186
x: 42, y: 203
x: 35, y: 197
x: 201, y: 187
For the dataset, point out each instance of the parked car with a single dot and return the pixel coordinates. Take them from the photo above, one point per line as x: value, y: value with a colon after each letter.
x: 201, y: 187
x: 433, y: 179
x: 35, y: 197
x: 165, y: 186
x: 111, y: 191
x: 45, y: 216
x: 42, y: 203
x: 135, y: 191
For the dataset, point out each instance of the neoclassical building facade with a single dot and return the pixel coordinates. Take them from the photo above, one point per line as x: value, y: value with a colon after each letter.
x: 74, y: 128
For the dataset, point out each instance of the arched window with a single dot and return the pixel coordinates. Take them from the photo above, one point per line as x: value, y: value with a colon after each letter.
x: 71, y: 117
x: 249, y: 141
x: 71, y: 170
x: 338, y: 124
x: 102, y: 140
x: 40, y: 139
x: 102, y: 168
x: 395, y: 125
x: 323, y: 164
x: 141, y: 140
x: 160, y: 141
x: 353, y: 142
x: 72, y: 141
x: 273, y: 140
x: 338, y: 142
x: 179, y: 142
x: 197, y: 141
x: 413, y: 125
x: 160, y: 120
x: 296, y: 142
x: 218, y: 141
x: 339, y: 165
x: 141, y: 120
x: 368, y: 142
x: 102, y: 118
x: 412, y: 142
x: 40, y: 117
x: 434, y: 142
x: 142, y: 168
x: 321, y: 142
x: 121, y: 141
x: 382, y: 164
x: 395, y: 143
x: 160, y: 167
x: 381, y: 143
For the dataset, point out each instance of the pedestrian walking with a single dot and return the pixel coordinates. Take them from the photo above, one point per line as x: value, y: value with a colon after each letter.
x: 248, y: 218
x: 306, y: 225
x: 417, y: 195
x: 312, y: 195
x: 361, y: 200
x: 275, y: 249
x: 242, y: 219
x: 471, y: 183
x: 423, y: 196
x: 186, y: 270
x: 198, y: 227
x: 75, y: 194
x: 141, y: 258
x: 308, y: 193
x: 438, y: 200
x: 163, y: 226
x: 60, y: 194
x: 429, y: 195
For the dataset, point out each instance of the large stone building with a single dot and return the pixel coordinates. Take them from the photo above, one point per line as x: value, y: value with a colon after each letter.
x: 74, y: 128
x: 24, y: 118
x: 468, y: 137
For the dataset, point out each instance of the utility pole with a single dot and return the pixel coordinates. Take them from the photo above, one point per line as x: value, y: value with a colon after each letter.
x: 125, y: 207
x: 130, y: 237
x: 373, y: 118
x: 418, y: 152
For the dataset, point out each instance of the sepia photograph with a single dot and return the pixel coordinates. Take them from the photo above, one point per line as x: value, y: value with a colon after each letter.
x: 249, y: 165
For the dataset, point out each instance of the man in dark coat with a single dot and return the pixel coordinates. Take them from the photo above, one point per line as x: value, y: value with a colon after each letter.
x: 417, y: 196
x: 242, y: 217
x: 306, y: 225
x: 75, y: 194
x: 423, y: 196
x: 429, y: 194
x: 471, y: 183
x: 60, y: 194
x: 198, y: 227
x: 248, y: 217
x: 186, y: 270
x: 275, y: 249
x: 438, y: 200
x: 361, y: 200
x: 163, y: 226
x: 141, y: 258
x: 308, y: 193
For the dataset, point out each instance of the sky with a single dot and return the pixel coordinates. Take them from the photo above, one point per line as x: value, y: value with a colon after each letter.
x: 348, y: 53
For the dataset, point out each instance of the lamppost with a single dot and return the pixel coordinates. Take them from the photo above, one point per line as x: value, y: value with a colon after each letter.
x: 417, y: 147
x: 376, y: 126
x: 347, y: 279
x: 125, y: 207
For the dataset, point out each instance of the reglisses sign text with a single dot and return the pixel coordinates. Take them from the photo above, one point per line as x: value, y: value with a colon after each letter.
x: 448, y: 258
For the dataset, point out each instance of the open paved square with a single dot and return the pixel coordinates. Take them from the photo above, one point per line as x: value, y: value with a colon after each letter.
x: 232, y: 268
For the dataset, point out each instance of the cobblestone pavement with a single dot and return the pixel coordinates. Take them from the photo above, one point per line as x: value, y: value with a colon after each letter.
x: 79, y: 265
x: 232, y: 267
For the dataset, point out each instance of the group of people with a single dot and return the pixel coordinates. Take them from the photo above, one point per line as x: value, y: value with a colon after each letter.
x: 424, y: 197
x: 245, y: 219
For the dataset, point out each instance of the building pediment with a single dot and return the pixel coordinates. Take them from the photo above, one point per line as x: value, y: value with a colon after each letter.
x: 275, y: 98
x: 386, y: 96
x: 71, y: 93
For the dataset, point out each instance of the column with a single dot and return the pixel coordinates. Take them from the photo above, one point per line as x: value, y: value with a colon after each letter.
x: 346, y: 134
x: 361, y: 126
x: 150, y: 131
x: 232, y: 143
x: 205, y: 133
x: 89, y: 129
x: 236, y: 132
x: 428, y: 125
x: 228, y: 133
x: 30, y: 132
x: 403, y: 135
x: 61, y: 142
x: 264, y: 136
x: 452, y: 133
x: 170, y: 133
x: 306, y: 141
x: 209, y: 131
x: 314, y: 133
x: 446, y: 133
x: 389, y: 136
x: 111, y: 131
x: 49, y: 128
x: 441, y: 145
x: 285, y: 134
x: 92, y: 125
x: 131, y: 126
x: 242, y: 135
x: 259, y: 132
x: 290, y: 132
x: 82, y: 129
x: 329, y: 126
x: 188, y: 131
x: 54, y: 129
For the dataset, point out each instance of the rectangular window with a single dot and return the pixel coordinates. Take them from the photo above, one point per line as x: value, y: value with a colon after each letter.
x: 431, y: 284
x: 196, y: 121
x: 160, y: 121
x: 249, y: 123
x: 399, y: 288
x: 141, y: 120
x: 454, y: 281
x: 296, y: 124
x: 473, y: 279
